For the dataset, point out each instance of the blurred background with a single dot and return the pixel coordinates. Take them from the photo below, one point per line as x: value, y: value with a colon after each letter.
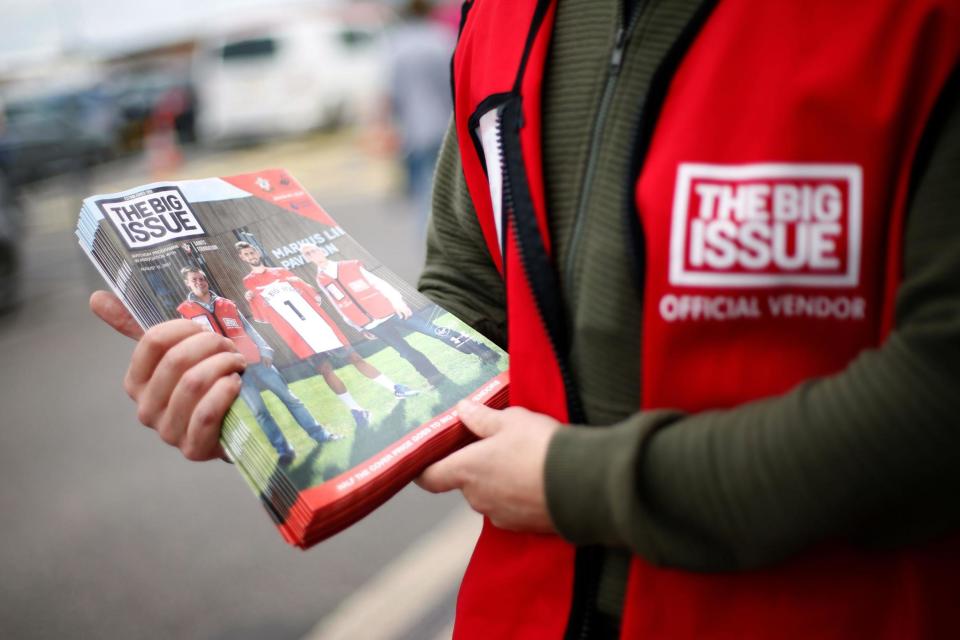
x: 105, y: 532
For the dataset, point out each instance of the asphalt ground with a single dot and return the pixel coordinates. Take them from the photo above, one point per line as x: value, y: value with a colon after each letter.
x: 107, y: 533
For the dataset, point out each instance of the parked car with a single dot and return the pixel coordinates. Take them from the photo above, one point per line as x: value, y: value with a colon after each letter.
x: 56, y: 134
x: 286, y: 77
x: 137, y: 94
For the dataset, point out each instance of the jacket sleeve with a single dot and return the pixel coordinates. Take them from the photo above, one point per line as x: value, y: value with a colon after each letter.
x: 871, y: 454
x: 459, y: 274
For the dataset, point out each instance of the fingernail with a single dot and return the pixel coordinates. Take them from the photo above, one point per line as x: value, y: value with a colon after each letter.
x: 466, y: 406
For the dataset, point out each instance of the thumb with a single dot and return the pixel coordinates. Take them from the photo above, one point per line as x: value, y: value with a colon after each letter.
x: 480, y: 419
x: 108, y: 308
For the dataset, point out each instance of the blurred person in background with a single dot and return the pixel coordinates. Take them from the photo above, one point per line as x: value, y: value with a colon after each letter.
x: 419, y: 49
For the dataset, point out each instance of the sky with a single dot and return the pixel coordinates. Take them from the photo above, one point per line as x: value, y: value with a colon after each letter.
x: 30, y: 28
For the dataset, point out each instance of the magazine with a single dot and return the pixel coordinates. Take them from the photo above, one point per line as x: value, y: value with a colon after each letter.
x: 352, y: 375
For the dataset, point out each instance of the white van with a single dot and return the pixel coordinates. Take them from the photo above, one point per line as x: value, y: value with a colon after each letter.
x: 288, y: 76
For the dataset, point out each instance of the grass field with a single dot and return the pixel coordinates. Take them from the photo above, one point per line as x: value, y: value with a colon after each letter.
x: 390, y: 417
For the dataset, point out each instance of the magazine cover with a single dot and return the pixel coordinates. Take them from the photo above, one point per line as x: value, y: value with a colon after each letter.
x: 352, y: 374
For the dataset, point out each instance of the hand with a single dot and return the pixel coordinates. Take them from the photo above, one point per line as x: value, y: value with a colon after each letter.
x: 182, y: 378
x: 267, y: 361
x: 248, y: 296
x: 501, y: 476
x: 403, y: 310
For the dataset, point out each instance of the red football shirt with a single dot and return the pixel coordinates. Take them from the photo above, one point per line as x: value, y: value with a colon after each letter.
x: 291, y: 306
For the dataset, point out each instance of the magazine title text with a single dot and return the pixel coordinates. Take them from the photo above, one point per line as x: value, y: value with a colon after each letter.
x: 152, y: 217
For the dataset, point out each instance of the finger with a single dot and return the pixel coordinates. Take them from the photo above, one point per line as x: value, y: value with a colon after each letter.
x: 203, y: 432
x: 480, y: 419
x: 173, y: 365
x: 192, y: 387
x: 442, y: 476
x: 151, y: 348
x: 107, y: 307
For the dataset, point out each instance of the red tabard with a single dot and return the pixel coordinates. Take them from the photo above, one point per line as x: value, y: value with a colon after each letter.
x: 772, y: 200
x: 289, y: 304
x: 517, y: 585
x: 356, y: 299
x: 224, y: 320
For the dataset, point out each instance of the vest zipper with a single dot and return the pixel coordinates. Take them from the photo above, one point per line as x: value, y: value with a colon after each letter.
x: 589, y: 560
x: 518, y: 206
x: 213, y: 314
x: 613, y: 73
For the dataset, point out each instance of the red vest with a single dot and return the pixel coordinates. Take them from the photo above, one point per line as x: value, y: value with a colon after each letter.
x: 354, y: 296
x: 224, y: 320
x: 771, y: 198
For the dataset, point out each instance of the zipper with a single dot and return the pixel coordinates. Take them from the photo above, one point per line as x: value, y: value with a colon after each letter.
x: 216, y: 320
x: 506, y: 197
x: 589, y: 561
x: 599, y: 124
x: 529, y: 244
x: 546, y: 295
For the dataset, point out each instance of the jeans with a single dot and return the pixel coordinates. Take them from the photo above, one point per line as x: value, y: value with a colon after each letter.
x: 259, y: 377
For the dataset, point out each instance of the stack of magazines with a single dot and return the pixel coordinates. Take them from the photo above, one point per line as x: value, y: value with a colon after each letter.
x: 352, y: 375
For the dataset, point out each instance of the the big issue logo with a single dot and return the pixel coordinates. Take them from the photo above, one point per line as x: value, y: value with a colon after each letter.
x: 789, y: 227
x: 152, y: 217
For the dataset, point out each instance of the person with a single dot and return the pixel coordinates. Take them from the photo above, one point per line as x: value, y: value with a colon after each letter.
x: 221, y: 315
x: 371, y: 305
x: 419, y: 95
x: 281, y: 299
x: 724, y: 252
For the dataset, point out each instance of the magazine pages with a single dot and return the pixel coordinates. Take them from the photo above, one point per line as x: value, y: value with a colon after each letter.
x: 352, y: 375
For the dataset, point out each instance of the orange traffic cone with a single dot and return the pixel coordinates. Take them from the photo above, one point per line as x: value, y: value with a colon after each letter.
x: 160, y: 140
